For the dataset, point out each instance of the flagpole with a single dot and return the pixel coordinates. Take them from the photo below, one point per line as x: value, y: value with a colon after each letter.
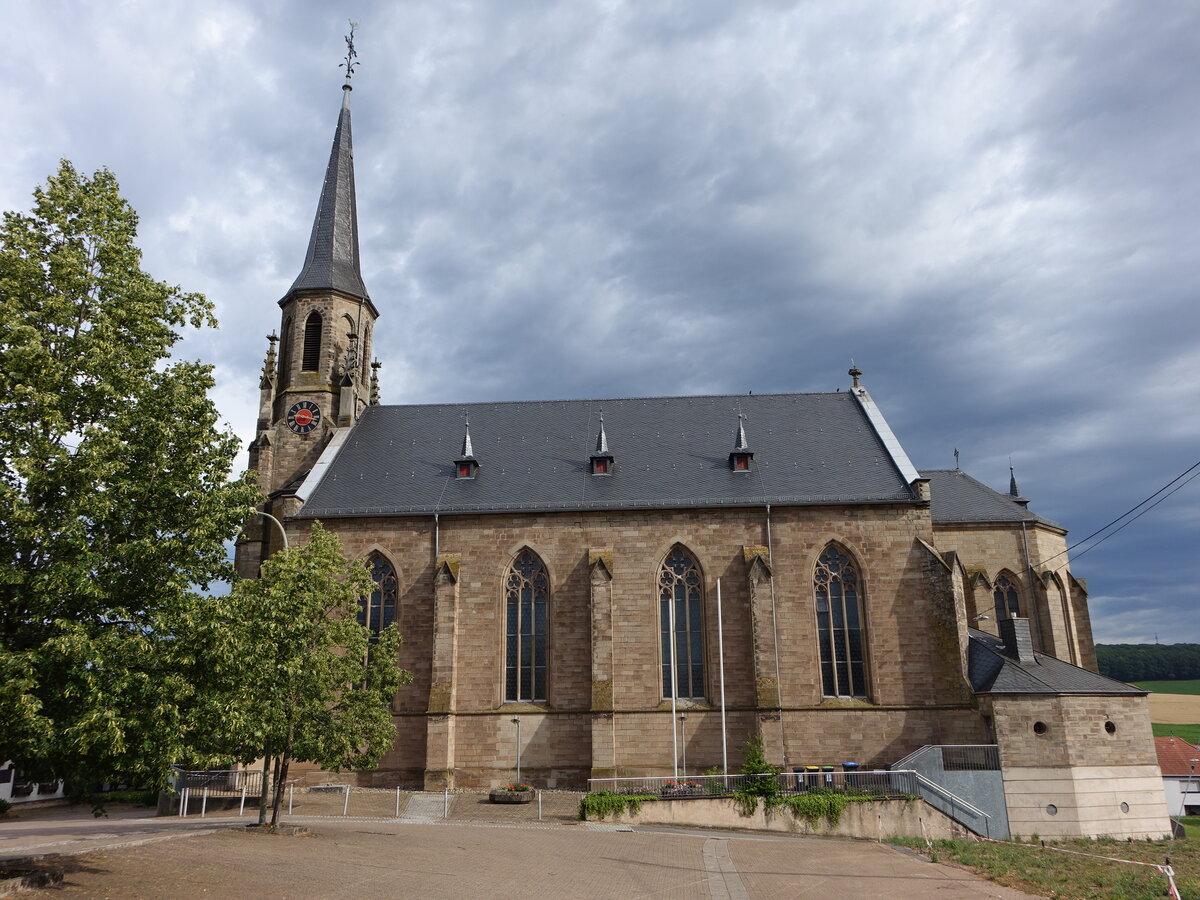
x: 721, y: 662
x: 674, y: 684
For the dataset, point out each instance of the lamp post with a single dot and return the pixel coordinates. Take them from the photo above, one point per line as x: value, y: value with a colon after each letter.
x: 266, y: 515
x: 266, y: 769
x: 516, y: 720
x: 1192, y: 784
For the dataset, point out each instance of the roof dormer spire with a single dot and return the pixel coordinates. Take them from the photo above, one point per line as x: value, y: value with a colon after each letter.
x: 602, y: 459
x: 466, y: 465
x: 741, y: 455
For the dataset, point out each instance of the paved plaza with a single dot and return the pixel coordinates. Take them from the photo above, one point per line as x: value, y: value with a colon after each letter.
x: 468, y: 856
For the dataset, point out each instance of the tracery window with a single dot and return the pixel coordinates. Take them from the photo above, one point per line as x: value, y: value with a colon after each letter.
x: 311, y: 359
x: 377, y: 610
x: 527, y: 608
x: 680, y: 584
x: 840, y: 625
x: 1008, y: 603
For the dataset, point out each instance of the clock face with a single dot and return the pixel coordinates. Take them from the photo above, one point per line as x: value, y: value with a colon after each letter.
x: 304, y: 416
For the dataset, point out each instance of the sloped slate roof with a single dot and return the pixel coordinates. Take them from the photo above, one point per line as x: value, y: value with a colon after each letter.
x: 332, y: 261
x: 959, y: 498
x: 992, y: 671
x: 669, y: 452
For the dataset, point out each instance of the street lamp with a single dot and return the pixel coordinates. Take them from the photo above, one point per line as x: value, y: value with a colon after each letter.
x: 277, y: 522
x: 516, y: 720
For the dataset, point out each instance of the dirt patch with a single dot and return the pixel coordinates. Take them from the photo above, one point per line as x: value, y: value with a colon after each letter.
x: 1176, y: 709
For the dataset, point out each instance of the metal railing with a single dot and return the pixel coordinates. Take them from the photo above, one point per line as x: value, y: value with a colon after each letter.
x: 958, y: 809
x: 879, y: 783
x: 954, y: 757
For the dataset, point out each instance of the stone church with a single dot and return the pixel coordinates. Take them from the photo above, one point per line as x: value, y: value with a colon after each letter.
x: 587, y: 566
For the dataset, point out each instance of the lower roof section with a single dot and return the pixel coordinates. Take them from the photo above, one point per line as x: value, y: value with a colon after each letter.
x: 668, y: 452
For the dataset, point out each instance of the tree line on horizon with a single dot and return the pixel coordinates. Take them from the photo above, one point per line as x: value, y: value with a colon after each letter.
x: 1149, y: 662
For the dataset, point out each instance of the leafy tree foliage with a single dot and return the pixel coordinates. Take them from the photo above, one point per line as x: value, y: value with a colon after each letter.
x: 1149, y: 662
x: 315, y: 685
x: 115, y: 498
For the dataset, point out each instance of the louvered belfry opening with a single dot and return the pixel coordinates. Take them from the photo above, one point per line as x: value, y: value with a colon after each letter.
x: 312, y: 343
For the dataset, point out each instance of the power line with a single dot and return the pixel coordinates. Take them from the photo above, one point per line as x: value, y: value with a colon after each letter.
x: 1128, y: 512
x: 1135, y: 518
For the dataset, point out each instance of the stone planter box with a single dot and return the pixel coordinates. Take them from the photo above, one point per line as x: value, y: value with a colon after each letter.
x: 511, y: 796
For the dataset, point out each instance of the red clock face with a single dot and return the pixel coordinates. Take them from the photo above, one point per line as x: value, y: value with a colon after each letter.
x: 303, y: 417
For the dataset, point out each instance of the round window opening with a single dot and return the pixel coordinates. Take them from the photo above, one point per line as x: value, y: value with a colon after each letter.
x: 1124, y: 807
x: 1039, y: 727
x: 1110, y: 727
x: 1051, y: 809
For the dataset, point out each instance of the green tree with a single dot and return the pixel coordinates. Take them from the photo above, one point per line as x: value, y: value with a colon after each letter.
x: 315, y: 685
x: 115, y: 497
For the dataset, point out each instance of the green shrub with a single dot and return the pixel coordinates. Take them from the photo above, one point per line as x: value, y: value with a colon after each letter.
x: 141, y: 798
x: 766, y: 785
x: 5, y: 806
x: 602, y: 804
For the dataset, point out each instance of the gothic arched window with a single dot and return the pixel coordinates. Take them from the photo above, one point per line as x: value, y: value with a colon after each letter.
x: 1008, y: 603
x: 681, y: 585
x: 527, y: 612
x: 311, y: 359
x: 377, y: 610
x: 840, y: 625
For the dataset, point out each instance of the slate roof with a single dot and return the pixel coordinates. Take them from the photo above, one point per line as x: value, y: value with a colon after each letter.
x: 959, y: 498
x: 992, y: 671
x: 332, y: 261
x: 669, y: 452
x: 1175, y: 755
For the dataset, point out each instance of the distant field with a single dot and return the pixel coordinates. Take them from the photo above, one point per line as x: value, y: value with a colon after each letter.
x: 1178, y: 709
x: 1171, y: 687
x: 1190, y: 733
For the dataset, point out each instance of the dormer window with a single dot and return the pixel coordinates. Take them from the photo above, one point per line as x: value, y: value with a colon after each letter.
x: 466, y: 465
x: 602, y: 459
x: 740, y: 456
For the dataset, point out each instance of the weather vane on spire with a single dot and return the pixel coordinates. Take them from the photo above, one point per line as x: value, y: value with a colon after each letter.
x: 351, y: 55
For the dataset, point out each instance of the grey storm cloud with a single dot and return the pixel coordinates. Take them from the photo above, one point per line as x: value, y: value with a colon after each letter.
x: 990, y: 207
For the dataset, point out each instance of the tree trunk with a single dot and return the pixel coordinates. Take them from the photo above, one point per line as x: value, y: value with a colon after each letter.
x: 283, y: 771
x: 262, y: 793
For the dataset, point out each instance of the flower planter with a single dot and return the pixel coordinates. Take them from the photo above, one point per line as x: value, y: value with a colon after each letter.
x: 502, y: 796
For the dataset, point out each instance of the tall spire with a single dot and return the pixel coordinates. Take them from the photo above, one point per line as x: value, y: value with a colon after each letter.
x: 332, y: 262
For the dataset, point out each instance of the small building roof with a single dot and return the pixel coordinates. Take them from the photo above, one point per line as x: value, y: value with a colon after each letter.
x: 810, y: 449
x: 1175, y: 756
x: 957, y: 498
x: 992, y: 671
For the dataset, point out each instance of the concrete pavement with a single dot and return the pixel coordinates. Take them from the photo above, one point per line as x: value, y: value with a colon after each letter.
x: 389, y: 859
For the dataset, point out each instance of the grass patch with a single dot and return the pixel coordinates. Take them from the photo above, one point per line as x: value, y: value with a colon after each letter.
x: 1171, y: 687
x: 1031, y: 868
x: 603, y: 804
x: 1190, y: 733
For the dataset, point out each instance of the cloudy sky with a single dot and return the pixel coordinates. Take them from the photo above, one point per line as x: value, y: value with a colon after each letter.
x: 993, y: 208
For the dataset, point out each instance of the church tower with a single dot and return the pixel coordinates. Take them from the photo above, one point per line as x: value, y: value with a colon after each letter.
x: 320, y: 379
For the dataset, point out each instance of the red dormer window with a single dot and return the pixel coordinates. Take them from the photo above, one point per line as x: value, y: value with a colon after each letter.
x: 464, y: 470
x: 600, y: 467
x: 741, y: 462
